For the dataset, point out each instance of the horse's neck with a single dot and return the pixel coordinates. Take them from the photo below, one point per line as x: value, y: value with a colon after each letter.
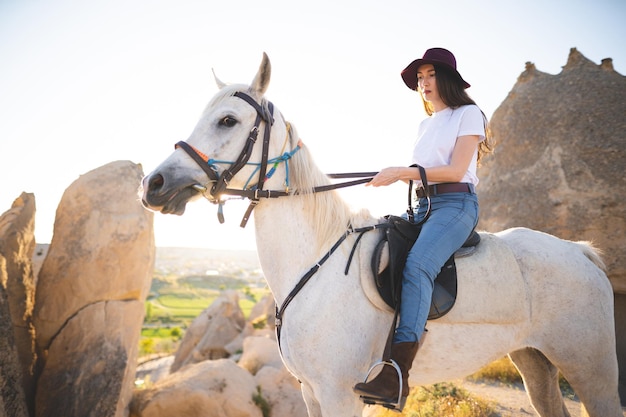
x: 285, y: 242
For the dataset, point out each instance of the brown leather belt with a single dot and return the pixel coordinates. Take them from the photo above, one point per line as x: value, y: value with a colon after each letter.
x: 446, y: 187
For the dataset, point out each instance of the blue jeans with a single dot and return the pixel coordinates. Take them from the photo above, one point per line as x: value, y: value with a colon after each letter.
x: 453, y: 217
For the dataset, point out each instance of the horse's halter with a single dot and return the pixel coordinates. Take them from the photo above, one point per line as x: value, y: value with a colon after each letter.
x: 220, y: 182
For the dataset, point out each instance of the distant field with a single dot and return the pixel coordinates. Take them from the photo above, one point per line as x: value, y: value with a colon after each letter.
x: 175, y: 301
x: 178, y: 301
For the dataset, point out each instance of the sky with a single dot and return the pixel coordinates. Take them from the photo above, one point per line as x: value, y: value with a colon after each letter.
x: 85, y: 83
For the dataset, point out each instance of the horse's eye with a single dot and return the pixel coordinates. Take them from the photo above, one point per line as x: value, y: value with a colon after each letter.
x: 228, y: 121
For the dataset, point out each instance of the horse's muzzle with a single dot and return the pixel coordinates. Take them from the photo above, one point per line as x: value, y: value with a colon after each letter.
x: 170, y: 199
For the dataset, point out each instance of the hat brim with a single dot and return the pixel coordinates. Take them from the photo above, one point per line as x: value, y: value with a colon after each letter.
x: 409, y: 74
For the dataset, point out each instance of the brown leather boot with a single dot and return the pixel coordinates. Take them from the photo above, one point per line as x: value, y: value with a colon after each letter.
x: 384, y: 389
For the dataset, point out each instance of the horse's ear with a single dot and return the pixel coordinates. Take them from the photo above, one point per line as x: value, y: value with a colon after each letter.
x: 262, y: 79
x: 220, y: 83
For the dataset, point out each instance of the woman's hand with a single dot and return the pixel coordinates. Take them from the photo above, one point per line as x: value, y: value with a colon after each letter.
x: 388, y: 176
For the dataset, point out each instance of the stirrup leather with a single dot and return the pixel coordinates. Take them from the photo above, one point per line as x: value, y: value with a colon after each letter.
x: 395, y: 406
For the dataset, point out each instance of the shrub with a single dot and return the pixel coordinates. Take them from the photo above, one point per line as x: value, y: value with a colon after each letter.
x: 146, y: 347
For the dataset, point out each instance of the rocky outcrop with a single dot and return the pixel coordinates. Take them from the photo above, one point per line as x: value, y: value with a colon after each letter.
x: 263, y: 314
x: 281, y: 391
x: 88, y: 312
x: 261, y: 322
x: 12, y: 398
x: 17, y: 244
x: 258, y: 352
x: 212, y: 388
x: 211, y: 331
x: 559, y: 165
x: 252, y: 347
x: 560, y: 158
x: 89, y: 304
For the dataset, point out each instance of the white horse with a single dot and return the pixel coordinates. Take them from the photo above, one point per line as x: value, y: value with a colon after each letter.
x: 544, y: 301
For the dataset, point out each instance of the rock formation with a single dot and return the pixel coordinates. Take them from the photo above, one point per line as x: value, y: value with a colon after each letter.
x: 258, y: 352
x: 253, y: 361
x: 559, y: 165
x: 12, y: 398
x: 560, y: 157
x: 211, y: 331
x: 281, y: 391
x: 89, y: 304
x: 17, y: 243
x: 212, y: 388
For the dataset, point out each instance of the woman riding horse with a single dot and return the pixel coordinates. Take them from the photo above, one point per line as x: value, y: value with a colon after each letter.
x: 449, y: 145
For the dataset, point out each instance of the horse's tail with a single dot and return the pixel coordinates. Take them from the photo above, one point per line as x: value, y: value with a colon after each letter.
x: 592, y: 253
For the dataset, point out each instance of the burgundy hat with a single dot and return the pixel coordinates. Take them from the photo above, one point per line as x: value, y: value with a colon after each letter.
x: 435, y: 56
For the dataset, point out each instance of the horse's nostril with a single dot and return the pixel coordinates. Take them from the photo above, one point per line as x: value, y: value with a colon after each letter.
x: 156, y: 181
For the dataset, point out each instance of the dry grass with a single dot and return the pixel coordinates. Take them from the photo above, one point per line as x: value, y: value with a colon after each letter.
x: 443, y: 400
x: 504, y: 371
x: 501, y: 370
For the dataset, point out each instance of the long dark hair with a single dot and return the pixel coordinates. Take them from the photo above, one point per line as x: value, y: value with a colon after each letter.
x: 454, y: 95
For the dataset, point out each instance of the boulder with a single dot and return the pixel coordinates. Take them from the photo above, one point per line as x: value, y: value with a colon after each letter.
x: 282, y: 392
x: 89, y: 304
x: 214, y: 388
x: 261, y: 322
x: 210, y: 332
x: 154, y: 370
x: 263, y: 314
x: 259, y: 352
x: 17, y: 244
x: 235, y: 346
x: 90, y: 367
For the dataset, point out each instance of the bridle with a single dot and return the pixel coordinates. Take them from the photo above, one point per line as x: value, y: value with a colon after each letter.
x: 256, y: 192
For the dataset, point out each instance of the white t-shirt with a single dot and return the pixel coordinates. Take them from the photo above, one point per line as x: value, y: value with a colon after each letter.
x: 438, y: 133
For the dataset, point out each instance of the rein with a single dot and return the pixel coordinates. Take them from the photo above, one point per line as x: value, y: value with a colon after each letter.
x: 256, y: 192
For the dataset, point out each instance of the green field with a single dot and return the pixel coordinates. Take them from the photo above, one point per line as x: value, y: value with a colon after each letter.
x: 174, y: 302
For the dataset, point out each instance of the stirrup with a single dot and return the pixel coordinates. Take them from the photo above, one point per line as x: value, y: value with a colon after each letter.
x: 386, y: 402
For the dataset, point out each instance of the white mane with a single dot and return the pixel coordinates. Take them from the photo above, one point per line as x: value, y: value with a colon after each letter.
x: 329, y: 213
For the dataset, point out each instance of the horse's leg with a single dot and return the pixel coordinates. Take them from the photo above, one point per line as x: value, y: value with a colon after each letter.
x: 332, y: 402
x: 312, y: 405
x: 335, y: 401
x: 592, y: 371
x: 584, y: 352
x: 541, y: 379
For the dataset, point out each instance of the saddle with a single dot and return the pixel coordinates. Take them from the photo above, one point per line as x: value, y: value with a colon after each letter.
x: 398, y: 237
